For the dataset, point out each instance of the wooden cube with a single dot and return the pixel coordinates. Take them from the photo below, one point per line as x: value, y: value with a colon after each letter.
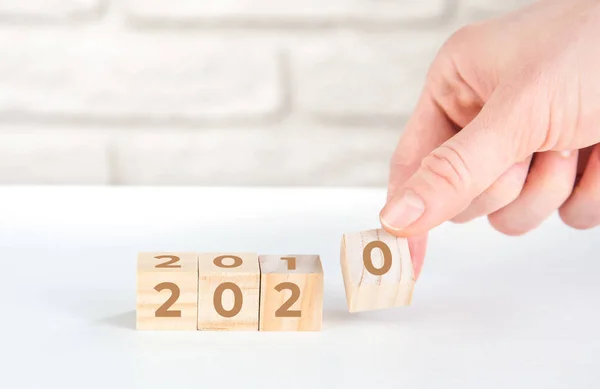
x: 291, y: 293
x: 229, y: 285
x: 377, y: 270
x: 167, y: 291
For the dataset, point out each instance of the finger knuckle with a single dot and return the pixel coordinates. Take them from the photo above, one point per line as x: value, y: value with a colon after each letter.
x: 460, y: 38
x: 445, y: 165
x: 451, y: 50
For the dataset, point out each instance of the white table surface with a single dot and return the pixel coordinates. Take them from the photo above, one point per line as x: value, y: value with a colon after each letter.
x: 488, y: 312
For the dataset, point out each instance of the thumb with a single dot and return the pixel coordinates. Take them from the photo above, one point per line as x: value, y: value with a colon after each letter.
x: 459, y: 170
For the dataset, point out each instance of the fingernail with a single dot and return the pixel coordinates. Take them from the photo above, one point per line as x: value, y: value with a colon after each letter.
x: 566, y: 153
x: 400, y: 214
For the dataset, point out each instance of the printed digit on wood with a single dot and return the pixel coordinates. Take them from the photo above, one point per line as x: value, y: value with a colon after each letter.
x: 170, y: 264
x: 163, y: 310
x: 291, y: 293
x: 238, y: 299
x: 285, y: 309
x: 167, y: 291
x: 377, y: 270
x: 228, y: 291
x: 368, y: 258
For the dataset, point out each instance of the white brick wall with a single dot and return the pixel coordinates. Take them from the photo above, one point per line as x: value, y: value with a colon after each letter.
x: 53, y: 157
x: 214, y: 92
x: 149, y: 77
x: 488, y: 8
x: 353, y: 76
x: 254, y: 156
x: 61, y: 9
x: 289, y: 11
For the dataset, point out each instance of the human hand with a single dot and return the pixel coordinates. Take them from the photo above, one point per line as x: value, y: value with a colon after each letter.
x: 507, y: 126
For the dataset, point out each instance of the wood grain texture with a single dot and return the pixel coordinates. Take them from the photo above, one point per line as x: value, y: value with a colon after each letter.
x: 160, y: 278
x: 233, y: 309
x: 367, y: 291
x: 291, y: 295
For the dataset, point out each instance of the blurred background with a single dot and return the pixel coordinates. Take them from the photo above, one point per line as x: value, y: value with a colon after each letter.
x: 214, y: 92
